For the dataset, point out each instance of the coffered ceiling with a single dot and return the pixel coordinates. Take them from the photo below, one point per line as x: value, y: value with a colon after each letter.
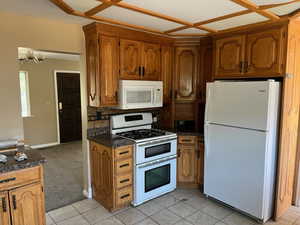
x: 180, y: 18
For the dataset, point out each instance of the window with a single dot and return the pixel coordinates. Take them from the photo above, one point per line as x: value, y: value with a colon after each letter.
x: 25, y: 102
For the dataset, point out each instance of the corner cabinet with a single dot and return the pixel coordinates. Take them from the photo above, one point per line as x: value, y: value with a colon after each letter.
x: 255, y: 54
x: 190, y: 161
x: 112, y: 175
x: 22, y: 197
x: 102, y: 62
x: 139, y: 60
x: 186, y: 73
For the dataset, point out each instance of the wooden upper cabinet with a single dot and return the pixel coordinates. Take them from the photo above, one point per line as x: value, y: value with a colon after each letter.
x: 109, y: 70
x: 253, y: 55
x: 166, y: 72
x: 264, y: 53
x: 151, y: 61
x: 27, y: 205
x: 93, y: 78
x: 229, y: 54
x: 4, y: 208
x: 186, y: 72
x: 130, y: 59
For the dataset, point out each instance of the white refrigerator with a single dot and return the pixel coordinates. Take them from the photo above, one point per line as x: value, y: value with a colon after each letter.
x: 241, y: 120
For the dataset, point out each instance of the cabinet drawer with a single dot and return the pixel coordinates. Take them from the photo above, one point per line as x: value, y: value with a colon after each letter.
x: 123, y: 152
x: 20, y: 177
x: 124, y: 196
x: 187, y: 139
x: 124, y: 180
x: 123, y: 166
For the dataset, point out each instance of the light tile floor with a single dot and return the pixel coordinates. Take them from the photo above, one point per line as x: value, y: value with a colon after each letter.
x: 181, y: 207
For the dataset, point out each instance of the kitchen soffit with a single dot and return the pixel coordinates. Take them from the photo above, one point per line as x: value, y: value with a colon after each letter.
x: 181, y: 18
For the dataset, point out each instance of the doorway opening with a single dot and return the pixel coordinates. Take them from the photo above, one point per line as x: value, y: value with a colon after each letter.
x: 51, y: 98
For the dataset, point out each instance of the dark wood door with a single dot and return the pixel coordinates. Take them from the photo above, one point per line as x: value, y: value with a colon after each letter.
x: 264, y: 53
x: 186, y: 73
x: 151, y: 61
x: 27, y: 205
x: 229, y: 55
x: 109, y: 70
x: 130, y: 59
x: 69, y: 105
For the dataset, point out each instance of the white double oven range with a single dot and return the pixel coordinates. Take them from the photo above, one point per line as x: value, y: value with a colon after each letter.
x: 154, y: 156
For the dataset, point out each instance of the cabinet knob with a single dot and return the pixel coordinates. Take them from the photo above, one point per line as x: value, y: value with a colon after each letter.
x: 14, y: 202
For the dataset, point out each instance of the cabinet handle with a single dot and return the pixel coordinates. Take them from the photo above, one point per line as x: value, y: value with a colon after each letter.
x: 4, y: 204
x: 246, y: 66
x: 176, y: 94
x: 116, y: 95
x: 186, y: 140
x: 93, y: 96
x: 14, y: 202
x: 140, y: 71
x: 123, y: 181
x: 125, y: 196
x: 124, y: 165
x: 171, y: 94
x: 143, y: 71
x: 179, y: 153
x: 7, y: 180
x: 122, y: 153
x: 241, y: 66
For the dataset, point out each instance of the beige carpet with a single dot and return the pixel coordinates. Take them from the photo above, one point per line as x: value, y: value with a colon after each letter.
x: 63, y: 174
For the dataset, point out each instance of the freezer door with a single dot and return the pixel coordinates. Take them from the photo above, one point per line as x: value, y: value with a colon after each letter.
x: 240, y: 104
x: 235, y: 162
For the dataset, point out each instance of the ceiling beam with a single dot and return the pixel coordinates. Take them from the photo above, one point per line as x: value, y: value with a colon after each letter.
x: 228, y: 16
x: 63, y: 6
x: 116, y: 22
x: 253, y: 7
x: 278, y: 4
x: 158, y: 15
x: 100, y: 7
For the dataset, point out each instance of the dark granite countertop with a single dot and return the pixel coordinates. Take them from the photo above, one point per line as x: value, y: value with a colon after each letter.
x: 110, y: 140
x: 34, y: 159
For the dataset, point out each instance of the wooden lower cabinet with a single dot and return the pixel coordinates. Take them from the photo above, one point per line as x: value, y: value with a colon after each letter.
x: 190, y: 161
x: 111, y: 175
x: 22, y: 204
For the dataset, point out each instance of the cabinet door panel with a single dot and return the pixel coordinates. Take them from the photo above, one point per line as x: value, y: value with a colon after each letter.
x: 93, y: 78
x: 130, y: 59
x: 186, y: 163
x: 228, y: 56
x: 4, y: 209
x: 109, y: 61
x: 166, y: 72
x: 102, y: 174
x: 27, y: 205
x: 186, y: 73
x: 264, y: 53
x: 151, y: 61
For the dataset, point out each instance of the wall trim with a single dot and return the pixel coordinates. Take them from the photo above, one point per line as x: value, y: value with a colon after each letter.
x: 56, y: 98
x: 45, y: 145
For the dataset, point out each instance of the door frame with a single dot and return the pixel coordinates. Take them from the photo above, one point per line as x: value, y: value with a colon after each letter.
x: 56, y: 97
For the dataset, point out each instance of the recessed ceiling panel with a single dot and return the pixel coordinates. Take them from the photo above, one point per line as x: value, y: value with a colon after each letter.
x: 136, y: 18
x: 236, y: 21
x: 190, y: 31
x: 191, y: 10
x: 82, y: 5
x: 268, y: 2
x: 286, y: 9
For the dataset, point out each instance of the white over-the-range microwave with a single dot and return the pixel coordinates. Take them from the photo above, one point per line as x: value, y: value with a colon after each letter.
x: 136, y: 94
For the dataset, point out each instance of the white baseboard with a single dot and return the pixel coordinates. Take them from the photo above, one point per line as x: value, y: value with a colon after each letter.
x: 88, y: 193
x: 45, y: 145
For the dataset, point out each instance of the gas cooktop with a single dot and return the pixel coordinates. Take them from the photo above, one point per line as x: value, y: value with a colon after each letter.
x: 142, y: 134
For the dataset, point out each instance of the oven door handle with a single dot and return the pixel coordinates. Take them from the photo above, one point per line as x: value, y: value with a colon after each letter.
x: 157, y: 161
x: 157, y: 142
